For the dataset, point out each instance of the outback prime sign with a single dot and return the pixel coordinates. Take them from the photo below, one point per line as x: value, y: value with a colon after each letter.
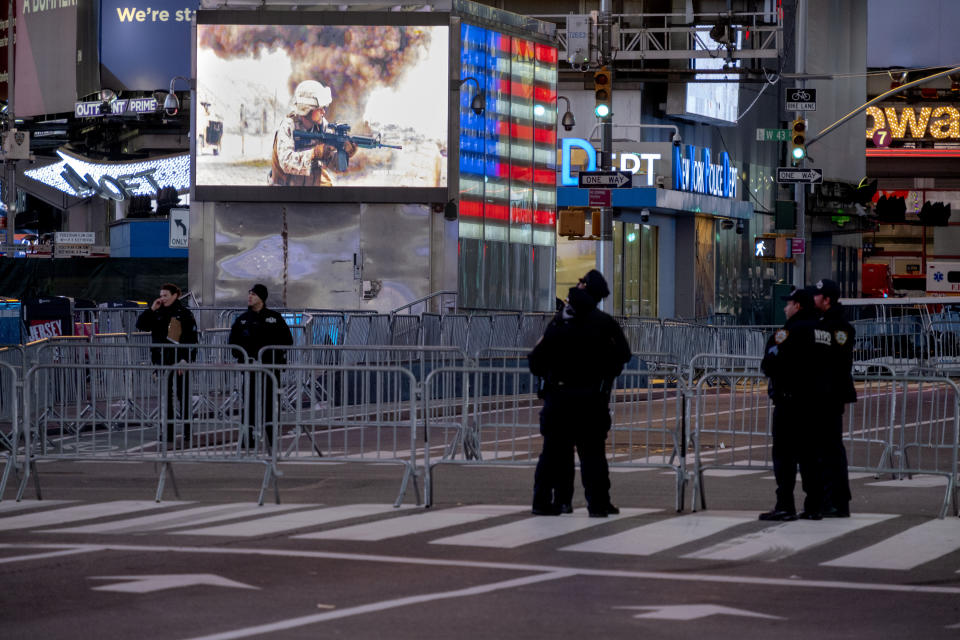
x: 690, y: 168
x: 915, y: 122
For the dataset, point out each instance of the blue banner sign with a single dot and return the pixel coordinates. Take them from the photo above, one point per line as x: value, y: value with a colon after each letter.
x: 144, y: 44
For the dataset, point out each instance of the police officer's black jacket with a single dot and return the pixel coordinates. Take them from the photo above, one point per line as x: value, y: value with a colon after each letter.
x: 793, y: 360
x: 253, y: 331
x: 839, y: 369
x: 158, y: 324
x: 582, y: 354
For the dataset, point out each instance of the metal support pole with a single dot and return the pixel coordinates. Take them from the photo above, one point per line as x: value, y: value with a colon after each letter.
x: 800, y: 193
x: 10, y: 166
x: 605, y: 243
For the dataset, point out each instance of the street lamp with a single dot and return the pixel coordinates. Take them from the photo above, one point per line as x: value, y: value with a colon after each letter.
x: 567, y: 120
x: 476, y: 104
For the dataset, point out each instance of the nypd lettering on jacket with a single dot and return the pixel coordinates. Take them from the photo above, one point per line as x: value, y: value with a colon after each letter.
x: 822, y: 337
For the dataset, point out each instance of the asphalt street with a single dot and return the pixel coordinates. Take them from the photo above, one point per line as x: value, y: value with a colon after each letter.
x: 97, y: 557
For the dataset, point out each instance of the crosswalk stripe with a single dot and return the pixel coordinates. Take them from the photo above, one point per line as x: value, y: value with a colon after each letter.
x: 81, y: 512
x: 7, y: 507
x: 782, y: 540
x: 906, y: 550
x: 665, y: 534
x: 415, y: 523
x: 916, y: 482
x: 290, y: 521
x: 182, y: 518
x: 533, y: 529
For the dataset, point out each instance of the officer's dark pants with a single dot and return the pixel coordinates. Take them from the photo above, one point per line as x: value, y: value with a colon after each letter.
x: 565, y: 425
x: 836, y: 493
x: 795, y: 443
x: 178, y: 404
x: 262, y: 393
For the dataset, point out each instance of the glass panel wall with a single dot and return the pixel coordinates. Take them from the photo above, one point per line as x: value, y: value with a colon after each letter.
x: 635, y: 269
x: 507, y: 246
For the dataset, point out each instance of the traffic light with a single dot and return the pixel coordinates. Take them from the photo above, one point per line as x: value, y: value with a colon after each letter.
x: 798, y: 140
x: 602, y: 86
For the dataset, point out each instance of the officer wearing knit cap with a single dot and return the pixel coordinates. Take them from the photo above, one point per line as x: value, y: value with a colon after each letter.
x: 595, y: 284
x: 579, y: 356
x: 259, y: 327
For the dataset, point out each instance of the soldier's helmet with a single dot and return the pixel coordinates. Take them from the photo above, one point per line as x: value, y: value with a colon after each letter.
x: 308, y: 96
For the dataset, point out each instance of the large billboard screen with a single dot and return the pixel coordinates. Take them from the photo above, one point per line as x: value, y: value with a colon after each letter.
x: 332, y: 108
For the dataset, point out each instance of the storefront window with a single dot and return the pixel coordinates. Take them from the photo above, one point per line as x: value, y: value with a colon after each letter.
x: 635, y: 269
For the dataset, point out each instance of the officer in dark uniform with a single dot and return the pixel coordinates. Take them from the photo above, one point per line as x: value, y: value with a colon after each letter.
x: 579, y: 356
x: 256, y: 328
x: 840, y: 391
x: 790, y: 361
x: 171, y: 325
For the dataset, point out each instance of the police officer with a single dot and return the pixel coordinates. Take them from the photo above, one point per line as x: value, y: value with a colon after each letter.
x: 256, y: 328
x: 579, y: 356
x: 170, y: 325
x: 790, y: 363
x: 839, y: 391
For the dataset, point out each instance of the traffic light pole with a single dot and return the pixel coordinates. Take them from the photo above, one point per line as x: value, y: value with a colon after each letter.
x: 800, y: 193
x: 10, y: 166
x: 605, y: 243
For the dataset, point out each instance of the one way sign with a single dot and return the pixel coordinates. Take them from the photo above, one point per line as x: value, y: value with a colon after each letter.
x: 606, y: 180
x: 790, y: 175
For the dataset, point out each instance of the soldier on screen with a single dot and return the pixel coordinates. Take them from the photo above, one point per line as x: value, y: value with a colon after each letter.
x: 309, y: 166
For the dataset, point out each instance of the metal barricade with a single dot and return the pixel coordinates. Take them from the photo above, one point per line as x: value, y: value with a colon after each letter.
x: 173, y: 427
x: 731, y: 413
x: 350, y: 414
x: 10, y: 424
x: 900, y: 424
x: 490, y: 416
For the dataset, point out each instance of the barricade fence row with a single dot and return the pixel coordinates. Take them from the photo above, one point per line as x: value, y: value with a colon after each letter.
x: 421, y: 407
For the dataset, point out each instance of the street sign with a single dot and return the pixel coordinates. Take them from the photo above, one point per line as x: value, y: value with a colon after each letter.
x: 798, y: 246
x: 179, y: 228
x: 772, y: 135
x: 70, y: 250
x: 598, y: 197
x: 792, y: 175
x: 801, y: 99
x: 74, y: 237
x: 606, y: 180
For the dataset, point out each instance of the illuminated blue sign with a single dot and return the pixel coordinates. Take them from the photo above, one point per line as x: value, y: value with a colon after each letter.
x: 692, y: 169
x: 700, y: 175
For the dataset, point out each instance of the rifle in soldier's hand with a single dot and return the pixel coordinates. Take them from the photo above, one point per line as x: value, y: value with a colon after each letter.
x: 337, y: 137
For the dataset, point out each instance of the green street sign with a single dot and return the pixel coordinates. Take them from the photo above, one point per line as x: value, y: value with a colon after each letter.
x: 773, y: 135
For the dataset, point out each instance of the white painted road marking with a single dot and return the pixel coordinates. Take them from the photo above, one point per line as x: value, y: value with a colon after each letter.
x: 7, y: 507
x: 665, y: 534
x: 81, y: 512
x: 694, y: 612
x: 41, y: 556
x: 290, y: 521
x: 415, y: 523
x: 293, y: 623
x: 151, y: 583
x: 906, y: 550
x: 533, y: 529
x: 782, y: 540
x: 182, y: 518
